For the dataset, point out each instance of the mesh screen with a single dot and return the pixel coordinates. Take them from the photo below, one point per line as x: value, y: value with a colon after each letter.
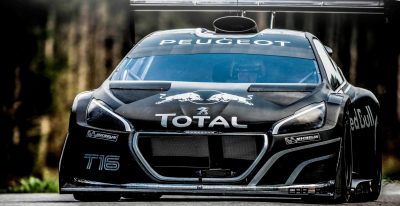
x: 180, y: 146
x: 239, y: 147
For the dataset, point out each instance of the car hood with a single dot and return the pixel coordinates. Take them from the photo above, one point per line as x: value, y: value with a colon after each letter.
x: 217, y: 107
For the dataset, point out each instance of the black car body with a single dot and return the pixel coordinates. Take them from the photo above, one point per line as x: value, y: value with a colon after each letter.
x: 193, y: 111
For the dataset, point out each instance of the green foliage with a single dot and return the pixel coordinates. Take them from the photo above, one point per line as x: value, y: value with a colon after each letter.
x: 34, y: 185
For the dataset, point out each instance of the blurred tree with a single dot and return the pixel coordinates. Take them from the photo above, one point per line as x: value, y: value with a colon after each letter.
x: 86, y: 40
x: 20, y: 85
x: 51, y: 50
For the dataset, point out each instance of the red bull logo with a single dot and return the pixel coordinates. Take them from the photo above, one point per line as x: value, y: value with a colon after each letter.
x: 206, y: 97
x: 363, y: 118
x: 224, y: 97
x: 185, y: 97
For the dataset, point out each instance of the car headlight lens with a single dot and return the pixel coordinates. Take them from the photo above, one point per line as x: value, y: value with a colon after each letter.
x: 101, y: 116
x: 308, y: 118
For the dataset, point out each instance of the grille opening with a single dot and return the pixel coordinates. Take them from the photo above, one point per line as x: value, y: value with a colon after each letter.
x: 194, y: 156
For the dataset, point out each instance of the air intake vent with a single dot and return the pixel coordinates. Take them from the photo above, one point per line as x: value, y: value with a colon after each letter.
x: 235, y: 24
x: 188, y: 157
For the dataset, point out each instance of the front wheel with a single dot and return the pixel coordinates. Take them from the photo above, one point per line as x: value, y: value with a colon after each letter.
x: 344, y: 174
x: 371, y: 168
x: 344, y: 171
x: 376, y: 168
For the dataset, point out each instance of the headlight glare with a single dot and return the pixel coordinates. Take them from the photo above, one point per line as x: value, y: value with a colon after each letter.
x: 309, y: 118
x: 101, y: 116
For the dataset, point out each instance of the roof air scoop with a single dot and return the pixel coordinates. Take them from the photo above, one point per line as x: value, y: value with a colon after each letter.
x: 235, y: 25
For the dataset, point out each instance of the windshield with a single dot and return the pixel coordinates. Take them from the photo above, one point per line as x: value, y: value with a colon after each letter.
x: 229, y: 68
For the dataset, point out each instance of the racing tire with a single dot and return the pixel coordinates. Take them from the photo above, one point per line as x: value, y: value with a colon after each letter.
x: 376, y: 169
x: 344, y: 174
x: 96, y: 197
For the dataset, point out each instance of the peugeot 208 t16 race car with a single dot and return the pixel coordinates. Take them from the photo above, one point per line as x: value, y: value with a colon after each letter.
x: 227, y: 112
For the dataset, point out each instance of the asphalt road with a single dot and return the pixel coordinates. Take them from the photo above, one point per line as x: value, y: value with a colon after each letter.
x: 390, y: 196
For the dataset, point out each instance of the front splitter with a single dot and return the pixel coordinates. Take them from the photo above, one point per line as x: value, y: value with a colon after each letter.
x: 300, y: 190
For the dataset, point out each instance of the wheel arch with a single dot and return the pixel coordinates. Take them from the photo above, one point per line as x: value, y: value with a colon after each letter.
x: 367, y: 137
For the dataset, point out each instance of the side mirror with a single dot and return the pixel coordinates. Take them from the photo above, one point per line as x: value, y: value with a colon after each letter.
x: 329, y: 50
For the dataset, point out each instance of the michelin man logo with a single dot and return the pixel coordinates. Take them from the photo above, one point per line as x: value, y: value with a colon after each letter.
x: 206, y: 97
x: 102, y: 135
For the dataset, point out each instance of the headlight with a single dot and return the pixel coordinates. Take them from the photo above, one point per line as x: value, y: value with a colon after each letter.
x: 309, y: 118
x: 101, y: 116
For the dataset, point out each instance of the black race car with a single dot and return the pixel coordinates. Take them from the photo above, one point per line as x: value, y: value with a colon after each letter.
x: 227, y: 112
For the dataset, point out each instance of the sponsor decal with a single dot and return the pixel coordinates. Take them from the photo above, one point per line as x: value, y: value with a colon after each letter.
x: 301, y: 139
x: 224, y: 97
x: 186, y: 121
x: 202, y: 111
x: 223, y: 41
x: 102, y: 135
x: 102, y: 162
x: 199, y: 132
x: 363, y: 118
x: 185, y: 97
x: 298, y: 190
x: 206, y: 97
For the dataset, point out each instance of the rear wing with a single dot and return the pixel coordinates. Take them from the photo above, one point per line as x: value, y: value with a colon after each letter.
x: 302, y: 6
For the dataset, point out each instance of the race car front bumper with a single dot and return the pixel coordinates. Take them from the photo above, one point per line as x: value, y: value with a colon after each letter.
x: 96, y: 160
